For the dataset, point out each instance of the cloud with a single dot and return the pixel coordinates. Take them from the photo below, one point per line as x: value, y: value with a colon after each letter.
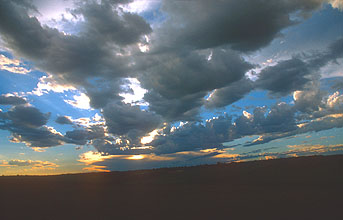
x: 81, y: 101
x: 9, y: 99
x: 34, y: 164
x: 295, y: 73
x: 191, y: 56
x: 12, y: 65
x: 244, y: 25
x: 95, y: 160
x: 280, y: 118
x: 229, y: 94
x: 97, y: 51
x: 47, y: 84
x: 285, y: 77
x: 130, y: 121
x: 309, y: 100
x: 25, y: 116
x: 178, y: 82
x: 107, y: 25
x: 192, y: 136
x: 336, y: 4
x: 28, y: 125
x: 185, y: 108
x: 64, y: 120
x: 82, y: 136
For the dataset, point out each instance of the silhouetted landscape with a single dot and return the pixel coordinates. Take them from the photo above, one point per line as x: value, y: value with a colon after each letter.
x: 292, y: 188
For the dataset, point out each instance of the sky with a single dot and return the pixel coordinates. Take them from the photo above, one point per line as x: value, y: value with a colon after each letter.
x: 115, y: 85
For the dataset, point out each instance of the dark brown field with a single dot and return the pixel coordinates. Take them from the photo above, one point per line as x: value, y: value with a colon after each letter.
x: 295, y: 188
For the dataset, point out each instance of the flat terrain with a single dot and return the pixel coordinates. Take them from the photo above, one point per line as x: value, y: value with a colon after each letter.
x: 294, y: 188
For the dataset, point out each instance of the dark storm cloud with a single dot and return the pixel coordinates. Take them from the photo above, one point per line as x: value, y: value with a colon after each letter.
x: 280, y: 118
x: 178, y: 82
x: 27, y: 124
x: 107, y: 25
x: 82, y: 136
x: 325, y: 123
x: 294, y: 74
x: 25, y: 116
x: 36, y: 137
x: 196, y: 52
x: 285, y: 77
x: 194, y: 136
x: 71, y: 58
x: 229, y: 94
x: 310, y: 99
x: 108, y: 146
x: 102, y: 92
x: 244, y: 25
x: 12, y: 100
x: 175, y: 75
x: 277, y: 122
x: 186, y: 108
x: 124, y: 119
x: 63, y: 120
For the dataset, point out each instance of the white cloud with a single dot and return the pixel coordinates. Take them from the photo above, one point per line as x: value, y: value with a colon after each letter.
x: 334, y: 100
x: 12, y: 65
x: 139, y: 6
x: 137, y: 95
x: 47, y: 84
x: 80, y: 101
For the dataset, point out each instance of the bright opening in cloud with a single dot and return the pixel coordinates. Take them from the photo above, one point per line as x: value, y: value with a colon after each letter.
x: 137, y: 95
x: 149, y: 138
x: 81, y: 101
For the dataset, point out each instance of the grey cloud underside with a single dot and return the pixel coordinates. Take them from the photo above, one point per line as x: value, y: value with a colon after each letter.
x: 193, y: 136
x: 178, y: 82
x: 285, y: 77
x: 229, y: 94
x: 73, y: 58
x: 130, y: 121
x: 243, y: 25
x: 63, y: 120
x: 27, y: 124
x: 12, y: 100
x: 280, y: 121
x: 105, y: 26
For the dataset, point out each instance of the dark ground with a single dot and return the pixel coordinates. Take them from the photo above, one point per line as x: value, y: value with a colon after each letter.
x: 295, y: 188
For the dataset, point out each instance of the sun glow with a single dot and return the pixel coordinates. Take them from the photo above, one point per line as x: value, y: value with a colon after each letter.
x: 136, y: 157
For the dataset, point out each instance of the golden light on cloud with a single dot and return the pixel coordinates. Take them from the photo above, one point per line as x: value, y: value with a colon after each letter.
x: 95, y: 168
x: 260, y: 138
x: 247, y: 115
x: 47, y: 84
x: 269, y: 157
x: 12, y: 65
x: 91, y: 157
x: 212, y: 150
x: 136, y: 157
x: 337, y: 4
x: 38, y: 149
x: 149, y: 138
x: 229, y: 156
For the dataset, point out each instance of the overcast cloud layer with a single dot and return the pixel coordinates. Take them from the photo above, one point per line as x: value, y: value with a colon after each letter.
x: 194, y: 59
